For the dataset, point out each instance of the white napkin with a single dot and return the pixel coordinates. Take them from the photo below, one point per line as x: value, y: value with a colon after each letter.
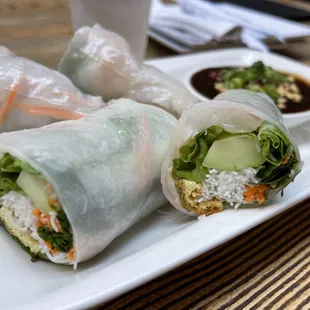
x: 206, y: 9
x: 278, y: 27
x: 198, y: 22
x: 187, y: 29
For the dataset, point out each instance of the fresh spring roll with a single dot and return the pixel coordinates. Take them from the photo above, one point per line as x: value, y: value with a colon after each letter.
x: 32, y: 95
x: 101, y: 63
x: 231, y: 151
x: 70, y: 188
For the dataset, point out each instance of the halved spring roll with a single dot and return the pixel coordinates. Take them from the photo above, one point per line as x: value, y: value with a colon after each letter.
x: 233, y: 150
x: 68, y: 189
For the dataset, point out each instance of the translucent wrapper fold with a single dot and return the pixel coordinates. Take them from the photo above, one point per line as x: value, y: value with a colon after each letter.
x: 32, y: 95
x: 4, y: 51
x: 105, y: 168
x: 101, y: 63
x: 236, y: 111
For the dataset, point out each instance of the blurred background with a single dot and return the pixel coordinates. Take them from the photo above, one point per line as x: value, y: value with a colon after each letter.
x: 40, y: 30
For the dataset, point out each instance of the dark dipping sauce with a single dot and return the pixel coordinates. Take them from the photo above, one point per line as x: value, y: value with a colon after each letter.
x: 204, y: 80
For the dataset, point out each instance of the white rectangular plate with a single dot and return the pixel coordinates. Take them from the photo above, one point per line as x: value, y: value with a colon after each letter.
x: 164, y: 240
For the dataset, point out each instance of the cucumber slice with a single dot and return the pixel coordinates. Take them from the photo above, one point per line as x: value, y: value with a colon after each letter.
x: 33, y: 186
x: 234, y: 153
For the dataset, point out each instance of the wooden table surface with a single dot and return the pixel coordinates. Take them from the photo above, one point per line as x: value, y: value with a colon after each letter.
x: 267, y: 276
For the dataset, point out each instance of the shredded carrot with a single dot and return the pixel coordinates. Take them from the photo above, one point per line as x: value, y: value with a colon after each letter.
x: 71, y: 254
x: 49, y: 186
x: 54, y: 251
x: 45, y: 220
x: 53, y: 202
x: 285, y: 160
x: 36, y: 212
x: 55, y: 112
x: 48, y: 245
x: 80, y: 101
x: 8, y: 102
x: 255, y: 193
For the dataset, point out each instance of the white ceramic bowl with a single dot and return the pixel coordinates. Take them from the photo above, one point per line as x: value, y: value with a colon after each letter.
x: 290, y: 119
x: 243, y: 57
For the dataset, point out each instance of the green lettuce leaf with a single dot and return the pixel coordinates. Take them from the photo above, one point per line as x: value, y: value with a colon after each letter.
x: 189, y: 164
x: 275, y: 148
x: 8, y: 183
x: 276, y: 176
x: 10, y: 168
x: 8, y: 163
x: 274, y: 144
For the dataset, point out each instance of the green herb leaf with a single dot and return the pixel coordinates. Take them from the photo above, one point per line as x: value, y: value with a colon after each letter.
x: 236, y: 82
x: 254, y: 87
x: 271, y: 91
x: 63, y: 221
x: 273, y: 76
x: 257, y: 78
x: 61, y: 241
x: 258, y: 67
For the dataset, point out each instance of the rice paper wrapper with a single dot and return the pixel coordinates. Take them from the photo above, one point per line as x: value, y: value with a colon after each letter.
x: 4, y: 51
x: 235, y: 111
x: 32, y: 95
x: 105, y: 168
x: 101, y: 63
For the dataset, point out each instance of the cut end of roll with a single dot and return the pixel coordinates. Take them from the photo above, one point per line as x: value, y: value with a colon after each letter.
x: 32, y: 214
x: 233, y: 158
